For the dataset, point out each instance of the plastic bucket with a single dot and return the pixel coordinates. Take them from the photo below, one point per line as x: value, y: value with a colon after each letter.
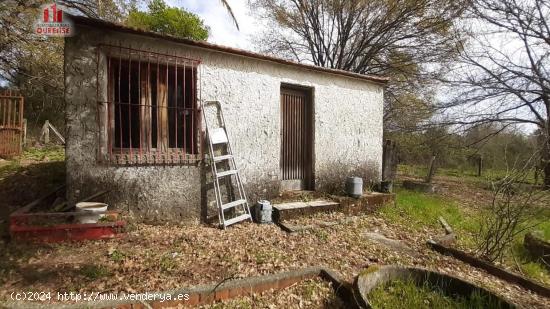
x: 263, y: 211
x: 354, y: 187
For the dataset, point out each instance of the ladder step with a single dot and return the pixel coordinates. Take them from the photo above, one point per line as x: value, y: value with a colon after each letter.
x: 226, y: 173
x: 237, y: 219
x: 218, y: 136
x: 233, y: 204
x: 224, y: 157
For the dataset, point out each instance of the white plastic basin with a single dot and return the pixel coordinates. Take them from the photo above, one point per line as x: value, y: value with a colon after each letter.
x: 92, y: 209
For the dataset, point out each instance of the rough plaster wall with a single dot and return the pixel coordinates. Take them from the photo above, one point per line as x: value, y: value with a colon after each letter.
x: 348, y: 120
x: 348, y: 127
x: 152, y: 193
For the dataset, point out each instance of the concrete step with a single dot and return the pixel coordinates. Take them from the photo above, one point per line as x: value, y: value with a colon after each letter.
x: 291, y: 210
x: 226, y: 173
x: 237, y: 219
x: 233, y: 204
x: 368, y: 203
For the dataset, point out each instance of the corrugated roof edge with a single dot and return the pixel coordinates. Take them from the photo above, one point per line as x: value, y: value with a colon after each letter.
x: 80, y: 20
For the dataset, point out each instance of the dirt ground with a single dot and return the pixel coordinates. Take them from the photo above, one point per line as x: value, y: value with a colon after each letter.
x: 159, y: 258
x: 306, y: 294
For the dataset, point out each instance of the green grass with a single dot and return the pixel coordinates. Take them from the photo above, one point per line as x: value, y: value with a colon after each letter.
x: 527, y: 264
x: 117, y: 256
x: 468, y: 174
x: 418, y: 210
x: 36, y: 155
x: 49, y: 153
x: 93, y: 272
x: 406, y: 294
x: 544, y: 228
x: 8, y: 168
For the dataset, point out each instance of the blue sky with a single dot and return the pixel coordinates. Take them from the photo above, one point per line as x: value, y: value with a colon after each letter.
x: 222, y: 29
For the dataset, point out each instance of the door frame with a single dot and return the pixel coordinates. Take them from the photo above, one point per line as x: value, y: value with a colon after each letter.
x: 309, y: 181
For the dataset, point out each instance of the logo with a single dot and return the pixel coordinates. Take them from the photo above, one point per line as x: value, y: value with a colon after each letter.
x: 52, y: 23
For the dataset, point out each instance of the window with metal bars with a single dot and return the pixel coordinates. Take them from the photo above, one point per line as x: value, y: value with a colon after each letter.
x: 152, y: 110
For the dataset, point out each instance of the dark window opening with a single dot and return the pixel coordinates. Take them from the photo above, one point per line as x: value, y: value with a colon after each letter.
x: 152, y: 106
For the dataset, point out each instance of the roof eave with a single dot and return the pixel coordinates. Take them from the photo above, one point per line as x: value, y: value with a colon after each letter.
x: 80, y: 20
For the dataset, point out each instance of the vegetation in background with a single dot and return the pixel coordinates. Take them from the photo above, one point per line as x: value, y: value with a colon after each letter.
x: 406, y: 294
x: 500, y: 75
x: 513, y: 211
x: 23, y: 179
x: 460, y: 150
x: 394, y: 38
x: 465, y: 173
x: 34, y: 64
x: 418, y: 210
x: 168, y: 20
x: 32, y: 155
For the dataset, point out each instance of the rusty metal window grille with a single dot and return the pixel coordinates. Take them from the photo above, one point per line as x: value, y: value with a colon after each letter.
x: 152, y: 112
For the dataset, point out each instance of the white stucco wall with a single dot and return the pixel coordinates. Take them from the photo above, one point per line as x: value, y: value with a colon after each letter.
x: 347, y: 121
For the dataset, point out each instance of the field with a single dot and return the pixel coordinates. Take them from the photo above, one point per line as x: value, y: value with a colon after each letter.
x: 460, y: 200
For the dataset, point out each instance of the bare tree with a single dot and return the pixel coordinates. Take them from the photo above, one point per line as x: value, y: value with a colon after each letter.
x: 230, y: 11
x: 405, y: 39
x: 503, y: 74
x: 514, y: 209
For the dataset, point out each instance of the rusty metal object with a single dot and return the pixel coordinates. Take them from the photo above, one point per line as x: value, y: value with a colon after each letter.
x: 147, y: 107
x: 11, y: 123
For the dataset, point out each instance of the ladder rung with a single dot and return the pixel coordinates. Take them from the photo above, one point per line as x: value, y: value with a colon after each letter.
x: 226, y: 173
x: 224, y: 157
x: 233, y: 204
x: 237, y: 219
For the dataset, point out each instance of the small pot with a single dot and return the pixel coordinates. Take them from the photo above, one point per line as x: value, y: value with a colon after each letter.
x: 386, y: 186
x: 91, y: 209
x: 354, y: 187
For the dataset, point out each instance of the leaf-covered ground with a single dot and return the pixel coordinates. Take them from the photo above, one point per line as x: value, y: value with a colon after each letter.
x: 158, y: 258
x: 306, y: 294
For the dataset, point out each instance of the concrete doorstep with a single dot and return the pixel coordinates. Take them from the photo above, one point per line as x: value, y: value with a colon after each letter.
x: 368, y: 203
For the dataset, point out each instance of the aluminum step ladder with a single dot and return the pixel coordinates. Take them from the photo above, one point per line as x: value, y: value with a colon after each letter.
x: 217, y: 137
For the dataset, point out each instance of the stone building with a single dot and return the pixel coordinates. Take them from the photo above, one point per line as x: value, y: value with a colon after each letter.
x: 135, y: 126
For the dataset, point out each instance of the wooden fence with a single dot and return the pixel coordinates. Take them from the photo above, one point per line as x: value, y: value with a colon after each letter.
x: 11, y: 123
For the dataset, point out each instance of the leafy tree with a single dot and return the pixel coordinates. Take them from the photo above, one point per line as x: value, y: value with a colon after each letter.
x: 168, y: 20
x: 111, y: 10
x: 34, y: 63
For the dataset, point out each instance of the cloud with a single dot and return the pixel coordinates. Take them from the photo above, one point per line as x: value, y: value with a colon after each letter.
x: 222, y: 28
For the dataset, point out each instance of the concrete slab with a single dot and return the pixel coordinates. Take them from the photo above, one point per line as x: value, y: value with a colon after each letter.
x: 393, y: 244
x: 290, y: 210
x: 368, y: 203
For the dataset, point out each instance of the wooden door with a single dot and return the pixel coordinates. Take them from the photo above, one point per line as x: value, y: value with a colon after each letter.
x: 296, y: 164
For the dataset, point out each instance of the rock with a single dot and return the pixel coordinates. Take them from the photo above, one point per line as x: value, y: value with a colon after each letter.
x: 393, y: 244
x: 446, y: 240
x: 537, y: 247
x: 419, y: 186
